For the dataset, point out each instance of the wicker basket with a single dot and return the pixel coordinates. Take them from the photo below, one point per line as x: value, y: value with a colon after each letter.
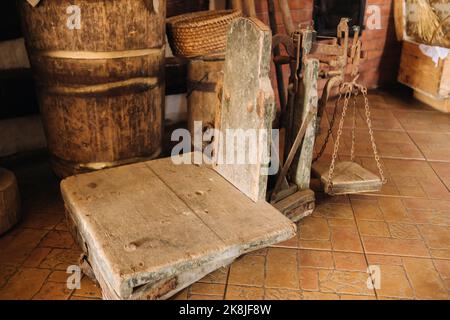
x: 200, y: 33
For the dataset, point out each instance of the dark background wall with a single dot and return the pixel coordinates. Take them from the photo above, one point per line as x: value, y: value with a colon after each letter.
x: 380, y: 68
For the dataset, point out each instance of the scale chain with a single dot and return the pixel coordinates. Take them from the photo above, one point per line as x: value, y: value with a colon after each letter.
x: 355, y: 97
x: 348, y: 95
x: 330, y: 130
x: 372, y: 136
x: 349, y: 90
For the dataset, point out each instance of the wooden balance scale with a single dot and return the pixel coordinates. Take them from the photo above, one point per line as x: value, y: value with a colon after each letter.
x: 303, y: 113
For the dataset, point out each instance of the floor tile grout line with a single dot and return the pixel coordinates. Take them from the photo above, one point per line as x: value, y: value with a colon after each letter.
x: 366, y: 258
x: 265, y: 274
x: 298, y: 260
x: 408, y: 278
x: 402, y: 257
x: 360, y: 252
x: 16, y: 270
x: 433, y: 261
x: 439, y: 176
x: 426, y: 158
x: 403, y: 129
x: 21, y: 266
x: 43, y: 283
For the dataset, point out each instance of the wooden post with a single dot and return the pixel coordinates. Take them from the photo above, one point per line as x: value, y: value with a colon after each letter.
x: 249, y: 8
x: 236, y: 4
x: 309, y: 95
x: 399, y: 8
x: 9, y: 201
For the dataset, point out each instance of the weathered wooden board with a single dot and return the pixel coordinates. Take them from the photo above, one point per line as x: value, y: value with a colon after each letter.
x: 310, y: 99
x: 349, y: 178
x: 9, y: 201
x: 151, y: 229
x: 248, y: 104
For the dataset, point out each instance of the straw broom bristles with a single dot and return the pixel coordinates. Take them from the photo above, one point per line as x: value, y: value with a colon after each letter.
x: 428, y: 27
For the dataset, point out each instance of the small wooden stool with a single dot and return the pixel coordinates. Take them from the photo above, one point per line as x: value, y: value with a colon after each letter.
x: 9, y: 201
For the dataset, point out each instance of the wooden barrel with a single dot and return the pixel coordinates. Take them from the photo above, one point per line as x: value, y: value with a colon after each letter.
x: 99, y: 67
x: 205, y: 76
x: 9, y: 201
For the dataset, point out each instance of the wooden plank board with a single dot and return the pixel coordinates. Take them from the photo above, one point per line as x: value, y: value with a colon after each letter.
x: 349, y: 178
x: 248, y: 103
x: 310, y: 100
x: 154, y: 228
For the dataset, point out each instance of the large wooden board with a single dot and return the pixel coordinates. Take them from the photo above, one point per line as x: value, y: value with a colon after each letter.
x: 248, y: 103
x: 151, y: 229
x: 349, y: 178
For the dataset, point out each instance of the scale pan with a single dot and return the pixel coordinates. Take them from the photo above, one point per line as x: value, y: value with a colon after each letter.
x: 349, y: 178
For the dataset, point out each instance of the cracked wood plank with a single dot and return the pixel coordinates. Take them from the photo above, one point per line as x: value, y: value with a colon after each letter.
x: 248, y: 103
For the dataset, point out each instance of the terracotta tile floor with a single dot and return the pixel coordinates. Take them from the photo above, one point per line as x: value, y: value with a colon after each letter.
x: 403, y: 232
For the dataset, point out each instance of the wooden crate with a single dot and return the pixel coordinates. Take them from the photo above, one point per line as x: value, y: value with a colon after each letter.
x: 431, y: 83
